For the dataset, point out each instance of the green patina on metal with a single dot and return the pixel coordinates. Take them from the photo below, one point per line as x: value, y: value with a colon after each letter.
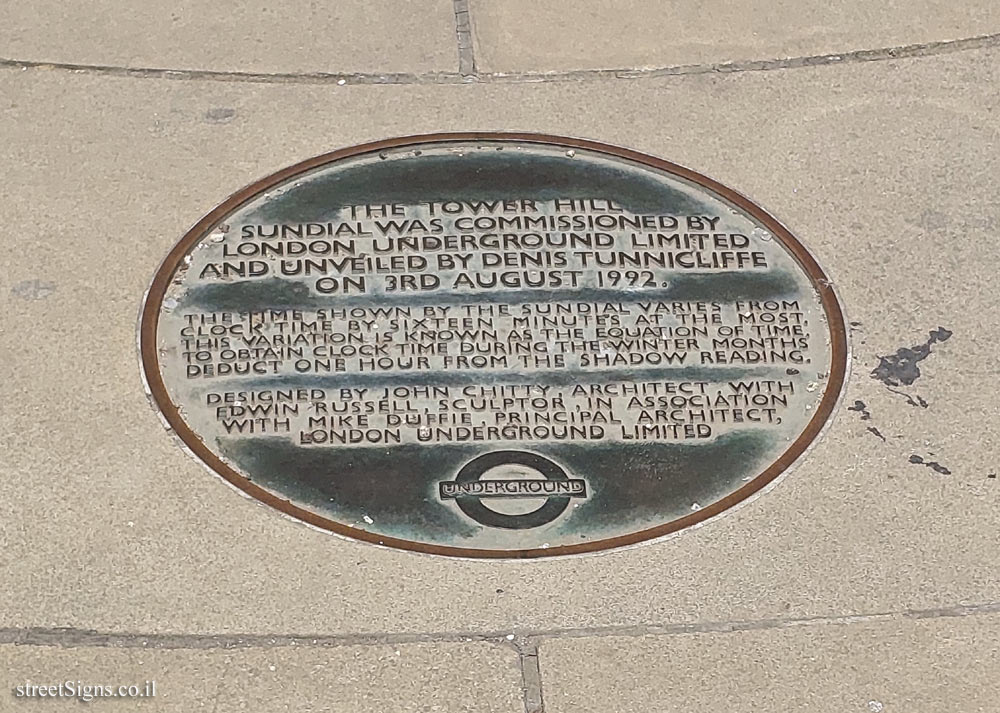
x: 280, y: 293
x: 645, y: 481
x: 476, y: 175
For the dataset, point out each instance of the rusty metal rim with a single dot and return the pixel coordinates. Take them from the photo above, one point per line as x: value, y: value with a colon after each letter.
x: 157, y: 389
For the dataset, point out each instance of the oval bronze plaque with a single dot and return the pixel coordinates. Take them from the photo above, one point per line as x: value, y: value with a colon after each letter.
x: 493, y: 345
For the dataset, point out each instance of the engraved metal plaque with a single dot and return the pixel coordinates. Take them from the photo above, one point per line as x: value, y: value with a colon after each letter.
x: 493, y: 345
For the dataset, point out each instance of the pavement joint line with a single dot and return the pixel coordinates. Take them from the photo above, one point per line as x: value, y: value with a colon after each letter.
x: 463, y: 33
x: 531, y: 675
x: 526, y: 640
x: 446, y: 78
x: 727, y: 627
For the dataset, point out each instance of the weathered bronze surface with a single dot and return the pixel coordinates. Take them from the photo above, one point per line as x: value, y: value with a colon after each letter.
x: 493, y: 345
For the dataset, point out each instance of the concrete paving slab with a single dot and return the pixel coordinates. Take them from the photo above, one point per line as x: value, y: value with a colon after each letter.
x: 525, y: 36
x: 383, y: 678
x: 923, y: 666
x: 166, y: 681
x: 883, y: 169
x: 413, y: 36
x: 451, y: 678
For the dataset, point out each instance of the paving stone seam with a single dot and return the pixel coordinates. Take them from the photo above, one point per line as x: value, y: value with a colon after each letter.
x: 531, y: 674
x: 523, y: 640
x: 929, y: 49
x: 736, y: 626
x: 463, y: 33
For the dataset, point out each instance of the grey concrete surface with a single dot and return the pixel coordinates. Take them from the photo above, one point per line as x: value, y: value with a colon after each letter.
x: 527, y: 36
x: 867, y: 667
x: 184, y: 680
x: 464, y: 678
x: 880, y: 168
x: 258, y: 36
x: 451, y: 678
x: 887, y: 170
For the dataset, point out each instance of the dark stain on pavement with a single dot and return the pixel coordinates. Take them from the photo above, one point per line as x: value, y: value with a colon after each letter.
x: 219, y: 115
x: 861, y: 408
x: 933, y: 465
x: 901, y: 368
x: 912, y: 400
x: 875, y: 431
x: 866, y: 415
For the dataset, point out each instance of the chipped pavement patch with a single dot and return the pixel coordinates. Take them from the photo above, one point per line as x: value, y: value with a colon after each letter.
x: 33, y: 289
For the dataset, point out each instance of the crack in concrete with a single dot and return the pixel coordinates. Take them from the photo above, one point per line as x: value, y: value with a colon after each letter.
x: 467, y: 72
x: 527, y: 640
